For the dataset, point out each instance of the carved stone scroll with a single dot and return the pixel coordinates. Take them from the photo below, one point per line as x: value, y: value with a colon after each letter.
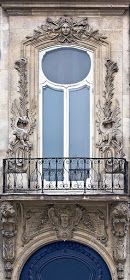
x: 8, y: 219
x: 110, y: 142
x: 23, y: 119
x: 66, y: 30
x: 119, y: 221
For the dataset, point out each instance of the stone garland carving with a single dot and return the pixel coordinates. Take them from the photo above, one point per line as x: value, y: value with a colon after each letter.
x: 64, y: 220
x: 8, y: 219
x: 108, y: 122
x: 66, y: 30
x: 119, y: 221
x: 23, y: 118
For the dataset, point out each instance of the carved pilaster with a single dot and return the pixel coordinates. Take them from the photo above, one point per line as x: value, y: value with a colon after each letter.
x: 108, y: 117
x: 119, y: 221
x: 8, y: 219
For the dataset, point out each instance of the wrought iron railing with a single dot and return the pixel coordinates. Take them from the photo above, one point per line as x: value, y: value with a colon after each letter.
x: 65, y: 175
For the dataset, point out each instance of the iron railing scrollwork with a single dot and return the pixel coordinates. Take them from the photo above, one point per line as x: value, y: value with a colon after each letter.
x: 65, y: 175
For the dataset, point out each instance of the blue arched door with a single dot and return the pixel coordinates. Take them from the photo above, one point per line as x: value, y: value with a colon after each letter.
x: 65, y: 260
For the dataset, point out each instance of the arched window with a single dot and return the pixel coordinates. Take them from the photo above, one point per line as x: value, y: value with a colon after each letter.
x: 65, y: 104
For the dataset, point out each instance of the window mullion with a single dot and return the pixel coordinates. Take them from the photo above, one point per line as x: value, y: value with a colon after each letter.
x: 66, y: 122
x: 66, y: 134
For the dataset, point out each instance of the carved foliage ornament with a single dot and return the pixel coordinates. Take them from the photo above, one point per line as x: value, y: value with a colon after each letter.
x: 66, y: 30
x: 8, y: 219
x: 108, y: 117
x: 119, y: 228
x: 23, y: 118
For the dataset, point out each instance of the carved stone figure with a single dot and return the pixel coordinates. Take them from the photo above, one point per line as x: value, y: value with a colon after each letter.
x: 108, y: 117
x: 63, y: 223
x: 120, y: 220
x: 66, y: 30
x: 8, y: 219
x: 20, y: 134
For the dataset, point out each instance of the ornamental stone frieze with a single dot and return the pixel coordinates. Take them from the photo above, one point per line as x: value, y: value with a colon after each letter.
x: 66, y: 30
x: 108, y: 122
x: 64, y: 220
x: 9, y: 231
x: 119, y: 221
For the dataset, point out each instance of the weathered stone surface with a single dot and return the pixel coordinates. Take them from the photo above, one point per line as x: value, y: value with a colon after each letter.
x: 95, y: 224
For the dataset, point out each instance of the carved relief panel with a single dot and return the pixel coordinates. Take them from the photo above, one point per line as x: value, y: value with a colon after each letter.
x: 64, y: 220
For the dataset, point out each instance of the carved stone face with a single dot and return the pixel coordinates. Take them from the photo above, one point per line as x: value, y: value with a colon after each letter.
x: 64, y: 220
x: 120, y: 227
x: 65, y: 29
x: 7, y: 210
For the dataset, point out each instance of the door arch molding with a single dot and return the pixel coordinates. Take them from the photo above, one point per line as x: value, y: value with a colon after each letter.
x: 48, y: 238
x: 65, y: 259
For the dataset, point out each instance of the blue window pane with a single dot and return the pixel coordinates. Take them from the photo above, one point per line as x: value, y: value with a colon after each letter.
x: 79, y: 134
x: 52, y: 122
x: 66, y: 65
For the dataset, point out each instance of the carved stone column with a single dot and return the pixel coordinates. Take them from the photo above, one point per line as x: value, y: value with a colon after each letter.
x: 119, y: 219
x: 8, y: 219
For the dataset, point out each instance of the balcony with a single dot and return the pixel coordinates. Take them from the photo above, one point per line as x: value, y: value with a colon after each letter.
x: 54, y: 176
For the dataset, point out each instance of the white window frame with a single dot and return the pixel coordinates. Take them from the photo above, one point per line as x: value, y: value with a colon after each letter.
x: 43, y: 82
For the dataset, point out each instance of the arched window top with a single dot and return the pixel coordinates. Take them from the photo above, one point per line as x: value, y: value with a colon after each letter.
x: 66, y: 65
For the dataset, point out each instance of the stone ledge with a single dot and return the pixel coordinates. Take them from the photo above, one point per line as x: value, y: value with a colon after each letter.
x: 65, y: 198
x: 102, y: 7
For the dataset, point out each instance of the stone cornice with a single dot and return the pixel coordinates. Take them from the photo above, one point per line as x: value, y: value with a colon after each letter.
x: 27, y: 7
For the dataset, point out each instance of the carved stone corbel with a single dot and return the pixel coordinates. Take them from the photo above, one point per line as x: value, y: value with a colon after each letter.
x: 8, y: 220
x: 110, y: 142
x: 119, y: 219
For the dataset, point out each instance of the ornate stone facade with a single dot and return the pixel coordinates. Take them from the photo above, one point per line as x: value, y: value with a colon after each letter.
x: 95, y: 220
